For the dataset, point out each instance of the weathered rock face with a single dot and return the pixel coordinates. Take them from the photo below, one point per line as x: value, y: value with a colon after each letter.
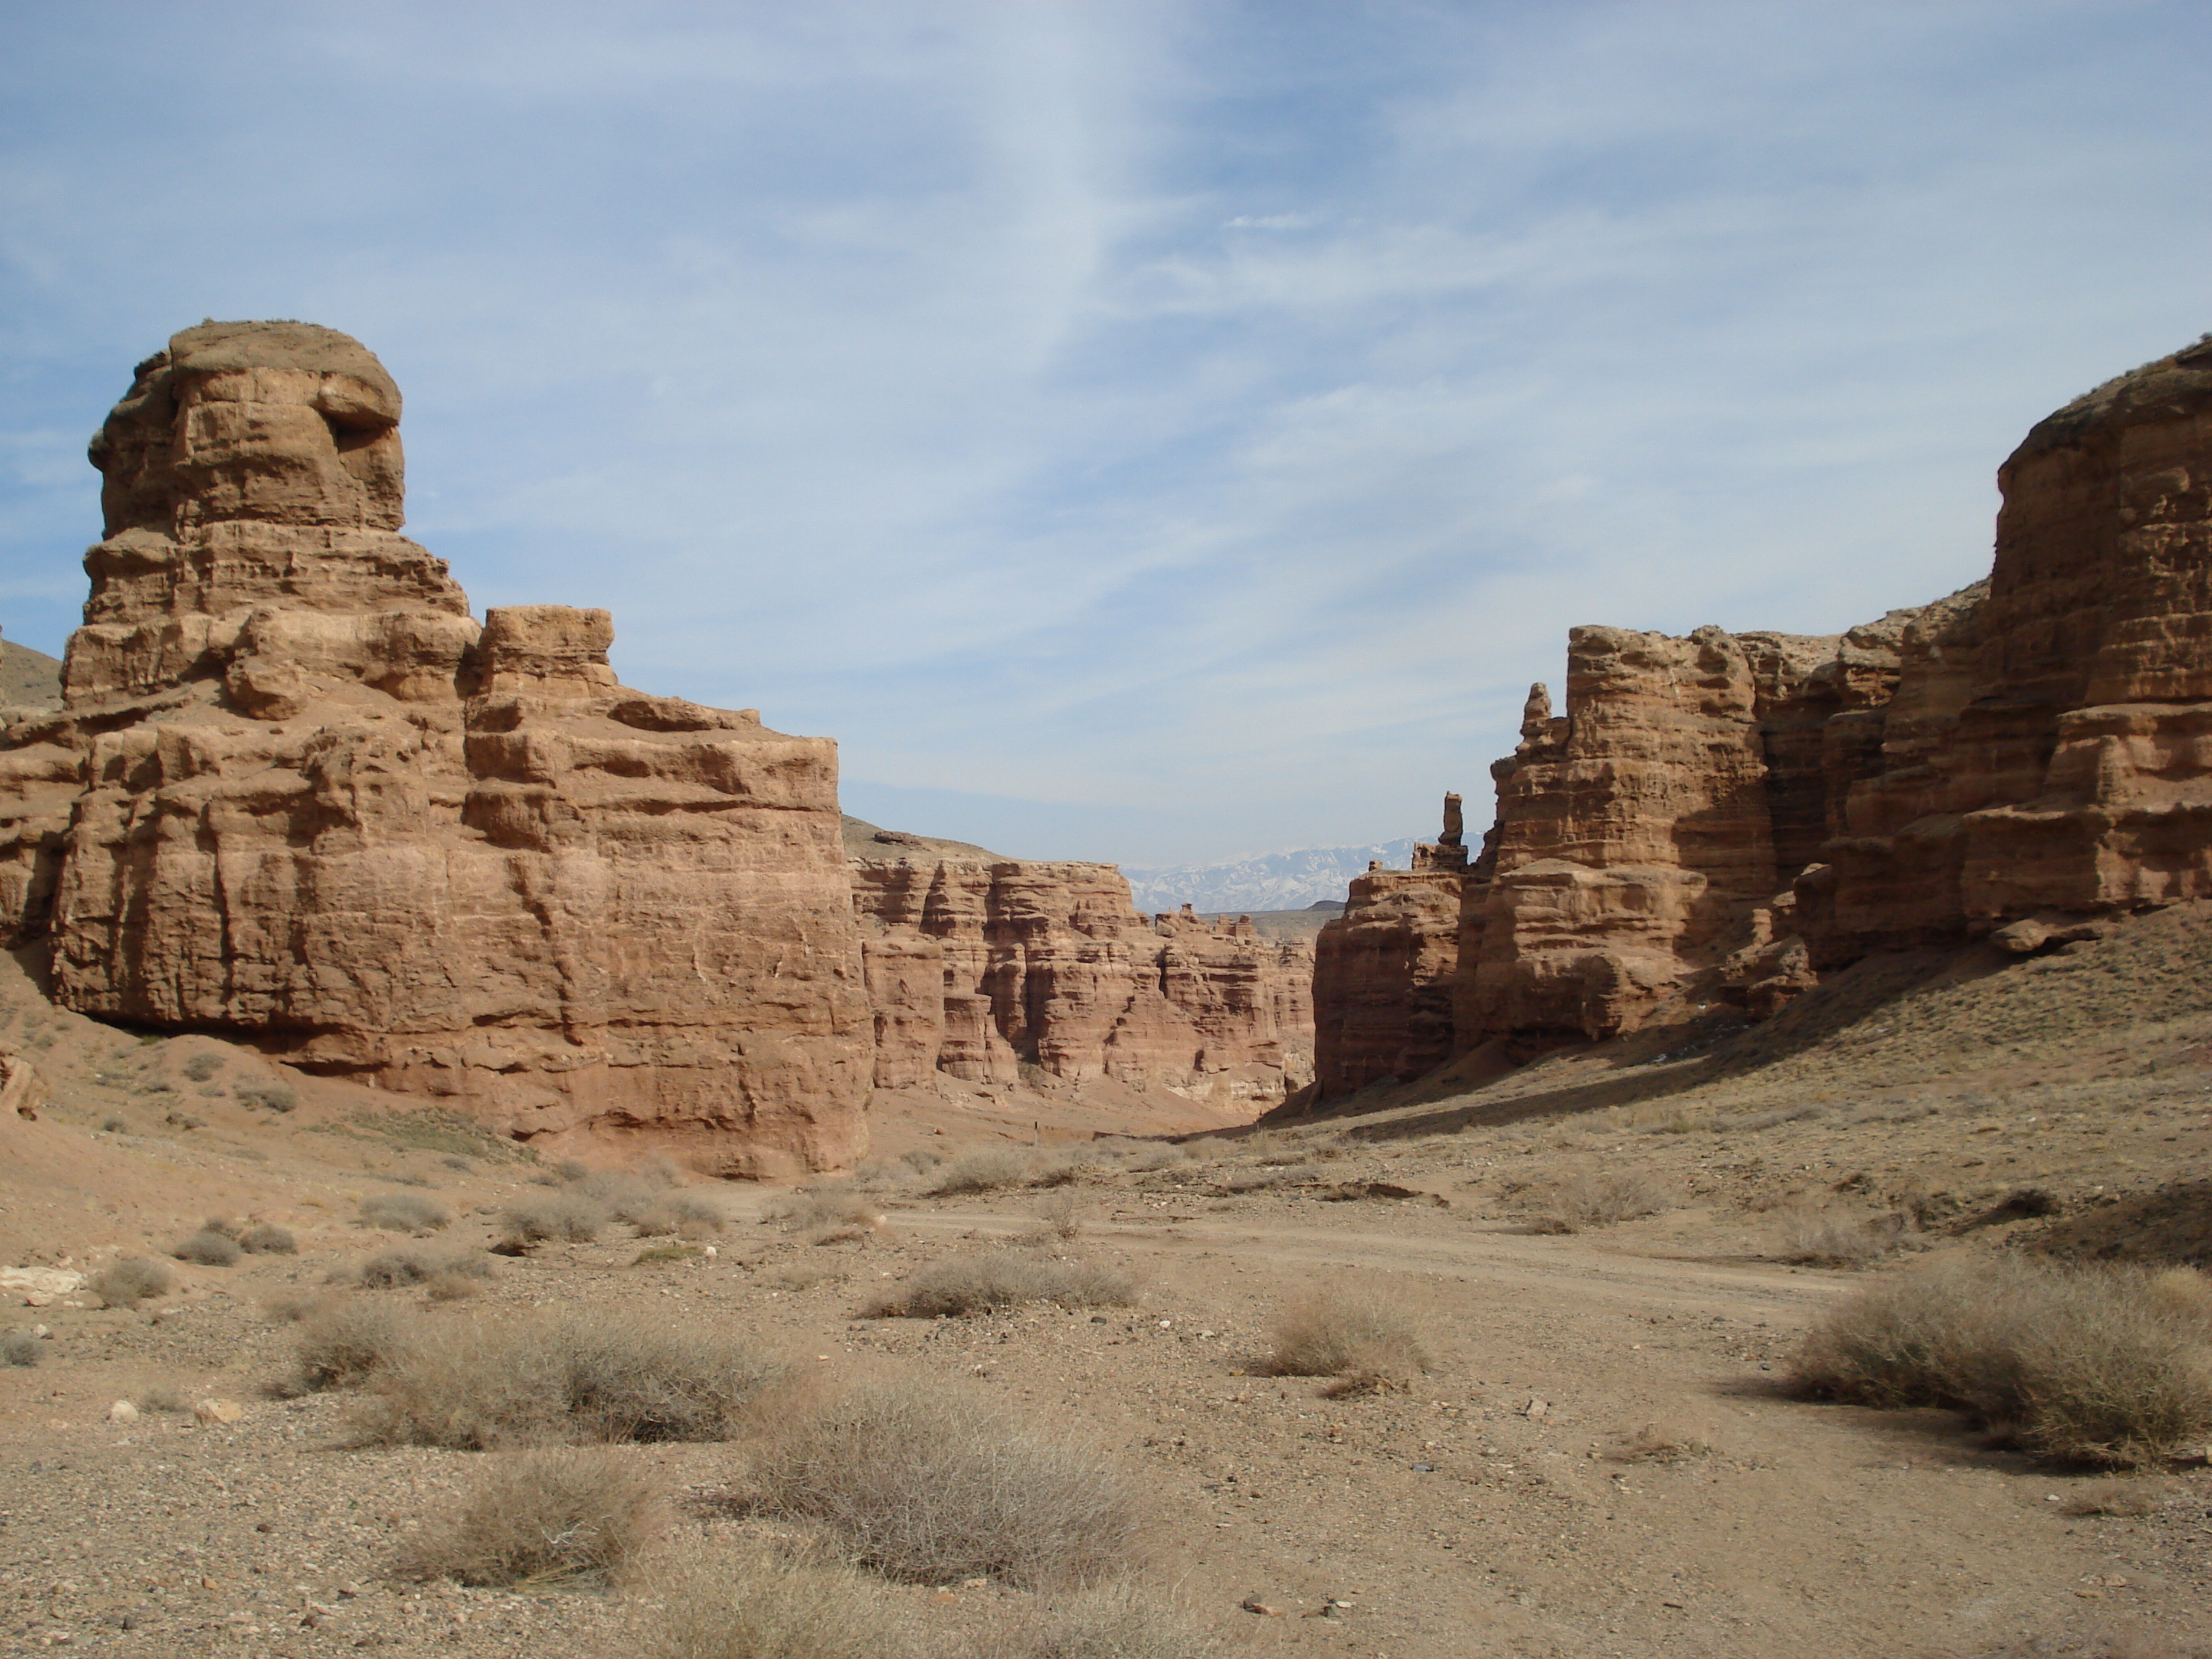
x: 978, y: 965
x: 1722, y: 817
x: 297, y: 796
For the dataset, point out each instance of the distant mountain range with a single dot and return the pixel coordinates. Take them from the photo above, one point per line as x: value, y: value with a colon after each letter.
x: 1274, y: 881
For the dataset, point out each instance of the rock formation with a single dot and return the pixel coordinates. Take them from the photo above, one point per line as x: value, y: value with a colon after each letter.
x: 1719, y: 819
x: 979, y: 965
x: 297, y: 796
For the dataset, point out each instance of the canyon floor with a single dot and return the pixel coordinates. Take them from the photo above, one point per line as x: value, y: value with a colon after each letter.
x: 1603, y: 1460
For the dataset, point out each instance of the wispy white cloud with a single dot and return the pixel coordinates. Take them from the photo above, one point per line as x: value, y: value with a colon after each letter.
x: 1135, y: 420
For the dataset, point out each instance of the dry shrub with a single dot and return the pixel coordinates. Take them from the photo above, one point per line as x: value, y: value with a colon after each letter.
x: 625, y: 1195
x: 19, y: 1347
x: 344, y: 1342
x: 537, y: 1517
x: 1369, y: 1340
x: 921, y: 1159
x: 1657, y: 1442
x: 985, y: 1169
x: 266, y: 1238
x: 1819, y: 1238
x: 133, y: 1279
x: 1003, y: 1279
x: 772, y: 1607
x: 1147, y: 1158
x: 925, y: 1483
x: 535, y: 1219
x: 2122, y: 1497
x: 270, y: 1097
x: 1062, y: 1215
x: 2097, y: 1364
x: 203, y: 1065
x: 682, y: 1216
x: 1118, y: 1620
x: 404, y: 1213
x: 451, y: 1287
x: 536, y: 1382
x: 207, y: 1248
x: 823, y: 1206
x: 393, y: 1269
x: 1581, y: 1202
x: 807, y: 1275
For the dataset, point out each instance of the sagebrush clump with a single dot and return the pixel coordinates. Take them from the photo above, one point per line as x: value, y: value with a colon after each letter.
x: 537, y: 1518
x: 19, y: 1347
x: 1004, y: 1278
x: 767, y: 1605
x: 133, y: 1279
x: 1581, y: 1202
x: 405, y: 1213
x: 534, y: 1382
x: 207, y: 1248
x: 927, y: 1484
x: 537, y: 1218
x: 2098, y: 1365
x: 985, y: 1169
x: 1367, y: 1340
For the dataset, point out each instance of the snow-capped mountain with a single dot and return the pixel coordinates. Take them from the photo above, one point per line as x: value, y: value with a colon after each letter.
x: 1273, y: 881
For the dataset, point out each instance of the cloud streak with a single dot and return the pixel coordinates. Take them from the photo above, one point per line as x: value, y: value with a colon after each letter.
x: 1170, y: 430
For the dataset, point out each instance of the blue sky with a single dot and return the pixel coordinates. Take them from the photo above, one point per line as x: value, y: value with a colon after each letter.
x: 1153, y: 432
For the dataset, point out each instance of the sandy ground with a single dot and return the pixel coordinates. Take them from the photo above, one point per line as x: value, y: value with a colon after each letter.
x: 1602, y: 1460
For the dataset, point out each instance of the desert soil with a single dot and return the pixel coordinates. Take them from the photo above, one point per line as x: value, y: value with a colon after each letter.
x: 1603, y: 1460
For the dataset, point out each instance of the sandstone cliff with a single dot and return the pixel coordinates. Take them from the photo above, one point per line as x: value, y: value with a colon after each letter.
x: 1718, y: 819
x: 979, y: 965
x: 297, y: 796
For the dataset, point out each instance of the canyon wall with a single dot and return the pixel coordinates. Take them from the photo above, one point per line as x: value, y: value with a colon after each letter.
x: 297, y: 796
x: 1719, y: 819
x: 979, y: 965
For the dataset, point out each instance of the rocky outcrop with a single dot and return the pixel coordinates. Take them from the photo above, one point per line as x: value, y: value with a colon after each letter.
x: 297, y: 796
x: 978, y: 966
x: 1721, y: 818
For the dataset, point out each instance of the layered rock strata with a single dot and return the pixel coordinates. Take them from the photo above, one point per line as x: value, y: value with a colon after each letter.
x: 1723, y: 817
x: 979, y: 965
x: 298, y: 796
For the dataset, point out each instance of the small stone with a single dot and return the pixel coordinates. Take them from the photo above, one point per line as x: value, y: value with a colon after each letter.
x: 1266, y: 1610
x: 212, y: 1412
x: 122, y: 1411
x: 1536, y: 1408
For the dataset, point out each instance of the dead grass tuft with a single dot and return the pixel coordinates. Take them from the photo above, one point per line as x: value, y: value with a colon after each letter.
x: 207, y: 1248
x: 133, y: 1279
x: 404, y: 1213
x: 1602, y: 1199
x: 773, y: 1607
x: 1003, y: 1279
x: 1657, y: 1442
x: 533, y: 1219
x: 539, y: 1517
x: 1368, y: 1340
x: 927, y: 1484
x: 2092, y: 1364
x: 393, y: 1269
x: 985, y: 1169
x: 2135, y: 1498
x: 824, y: 1206
x: 1117, y: 1620
x: 343, y: 1342
x: 265, y: 1238
x: 681, y: 1216
x: 485, y: 1386
x: 1820, y: 1238
x: 19, y: 1347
